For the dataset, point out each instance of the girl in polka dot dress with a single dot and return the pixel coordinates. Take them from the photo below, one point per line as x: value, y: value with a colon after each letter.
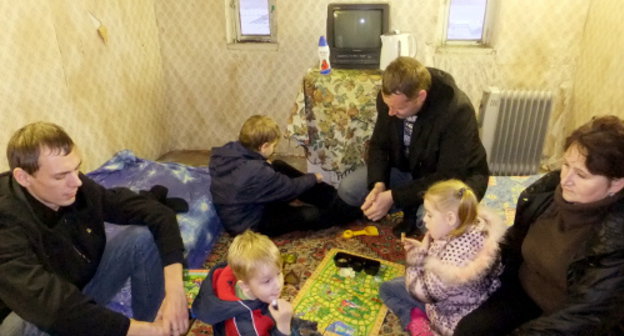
x: 453, y: 269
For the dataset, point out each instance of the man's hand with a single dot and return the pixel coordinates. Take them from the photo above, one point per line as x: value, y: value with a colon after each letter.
x: 372, y: 195
x: 282, y: 315
x: 141, y: 328
x: 173, y: 312
x: 380, y: 205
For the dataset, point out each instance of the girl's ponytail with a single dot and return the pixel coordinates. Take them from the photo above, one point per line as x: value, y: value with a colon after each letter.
x: 455, y: 194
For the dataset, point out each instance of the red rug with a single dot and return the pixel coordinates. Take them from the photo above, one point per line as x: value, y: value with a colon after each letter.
x: 303, y: 252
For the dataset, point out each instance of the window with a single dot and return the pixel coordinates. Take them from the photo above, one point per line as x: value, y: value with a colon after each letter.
x: 468, y: 22
x: 253, y: 20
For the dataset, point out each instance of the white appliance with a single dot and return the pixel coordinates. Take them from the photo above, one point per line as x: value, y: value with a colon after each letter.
x: 513, y: 126
x: 395, y: 45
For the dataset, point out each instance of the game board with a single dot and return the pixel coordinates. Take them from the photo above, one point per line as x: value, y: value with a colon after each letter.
x: 342, y: 301
x: 192, y: 282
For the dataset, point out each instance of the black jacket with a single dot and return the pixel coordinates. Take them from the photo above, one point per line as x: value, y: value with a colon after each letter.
x: 445, y: 144
x: 243, y: 182
x: 44, y: 268
x: 595, y: 297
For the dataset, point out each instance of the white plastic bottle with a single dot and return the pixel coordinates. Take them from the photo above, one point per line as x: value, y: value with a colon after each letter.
x: 323, y: 52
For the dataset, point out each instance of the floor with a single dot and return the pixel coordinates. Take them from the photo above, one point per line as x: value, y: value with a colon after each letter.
x: 202, y: 158
x: 317, y: 242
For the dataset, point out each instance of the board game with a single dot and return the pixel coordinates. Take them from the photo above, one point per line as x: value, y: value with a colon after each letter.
x: 343, y: 301
x: 192, y: 282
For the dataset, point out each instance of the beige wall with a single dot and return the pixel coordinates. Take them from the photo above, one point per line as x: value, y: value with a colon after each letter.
x: 55, y: 67
x: 213, y: 88
x: 599, y: 77
x: 165, y: 79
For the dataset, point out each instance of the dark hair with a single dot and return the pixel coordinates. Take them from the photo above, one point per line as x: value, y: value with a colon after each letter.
x: 26, y: 144
x: 601, y: 140
x: 407, y: 76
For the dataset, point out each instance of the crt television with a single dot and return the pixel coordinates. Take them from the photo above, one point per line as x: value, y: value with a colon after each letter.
x: 353, y: 34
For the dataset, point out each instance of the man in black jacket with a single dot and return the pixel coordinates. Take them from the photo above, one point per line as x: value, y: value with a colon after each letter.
x: 426, y: 131
x: 57, y: 269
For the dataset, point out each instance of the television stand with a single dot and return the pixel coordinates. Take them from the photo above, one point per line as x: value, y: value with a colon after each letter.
x: 362, y: 66
x: 333, y: 119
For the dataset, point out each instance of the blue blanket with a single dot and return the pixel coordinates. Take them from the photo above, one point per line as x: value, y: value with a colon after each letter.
x: 200, y: 226
x: 503, y: 191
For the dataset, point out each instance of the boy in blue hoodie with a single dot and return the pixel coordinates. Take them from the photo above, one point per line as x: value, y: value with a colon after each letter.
x: 251, y: 192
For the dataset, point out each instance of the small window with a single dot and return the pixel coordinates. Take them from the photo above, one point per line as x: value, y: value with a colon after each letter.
x: 468, y: 22
x: 254, y: 20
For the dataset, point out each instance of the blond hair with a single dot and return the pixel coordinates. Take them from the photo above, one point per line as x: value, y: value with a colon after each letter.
x: 249, y: 251
x: 258, y: 130
x: 26, y: 144
x: 405, y: 75
x: 454, y: 195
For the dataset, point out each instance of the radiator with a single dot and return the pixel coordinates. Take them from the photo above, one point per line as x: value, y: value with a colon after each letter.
x: 513, y: 127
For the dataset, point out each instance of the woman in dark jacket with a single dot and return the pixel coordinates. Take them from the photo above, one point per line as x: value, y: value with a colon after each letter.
x: 564, y: 255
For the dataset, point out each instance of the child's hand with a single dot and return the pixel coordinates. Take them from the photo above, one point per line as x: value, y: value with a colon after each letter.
x: 319, y: 177
x: 296, y: 203
x: 282, y: 315
x: 409, y: 243
x: 426, y: 241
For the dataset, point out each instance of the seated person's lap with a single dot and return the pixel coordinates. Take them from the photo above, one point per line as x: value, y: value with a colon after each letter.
x: 141, y: 262
x: 133, y: 250
x: 353, y: 189
x: 508, y: 308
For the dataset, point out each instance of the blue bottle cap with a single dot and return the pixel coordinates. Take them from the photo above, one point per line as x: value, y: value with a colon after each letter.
x: 322, y: 41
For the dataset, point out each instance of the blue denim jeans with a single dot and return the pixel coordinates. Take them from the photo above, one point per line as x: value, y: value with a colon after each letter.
x: 396, y: 297
x: 353, y: 189
x: 130, y: 254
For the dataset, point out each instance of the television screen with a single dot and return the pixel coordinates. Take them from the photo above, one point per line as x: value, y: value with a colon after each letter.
x: 357, y: 28
x: 353, y: 34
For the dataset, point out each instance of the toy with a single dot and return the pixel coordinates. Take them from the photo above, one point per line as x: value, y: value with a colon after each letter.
x: 368, y: 231
x: 343, y: 301
x: 357, y: 263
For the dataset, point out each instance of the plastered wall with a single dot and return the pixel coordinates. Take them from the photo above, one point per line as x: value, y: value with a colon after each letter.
x: 213, y: 88
x: 599, y: 76
x: 159, y: 75
x: 106, y: 89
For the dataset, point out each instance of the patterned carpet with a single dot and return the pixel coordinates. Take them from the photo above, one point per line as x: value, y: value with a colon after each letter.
x: 310, y: 248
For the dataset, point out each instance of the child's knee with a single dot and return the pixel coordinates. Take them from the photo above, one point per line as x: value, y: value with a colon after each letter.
x: 310, y: 214
x: 388, y: 289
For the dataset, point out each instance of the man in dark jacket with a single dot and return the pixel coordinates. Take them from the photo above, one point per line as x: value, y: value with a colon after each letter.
x: 57, y: 269
x: 426, y: 131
